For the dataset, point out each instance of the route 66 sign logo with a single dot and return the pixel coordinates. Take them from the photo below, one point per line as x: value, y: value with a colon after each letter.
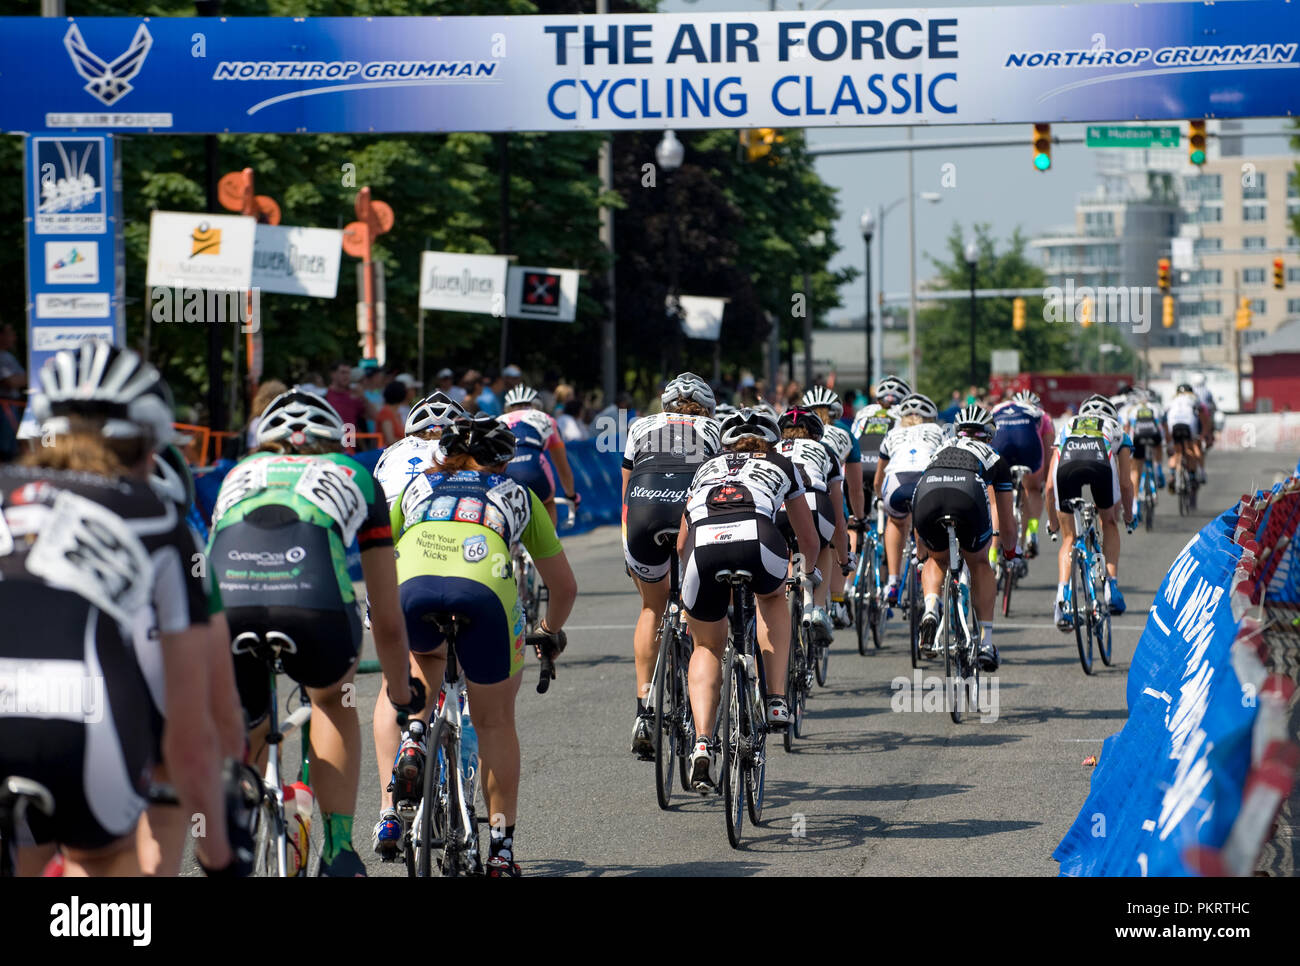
x: 475, y: 548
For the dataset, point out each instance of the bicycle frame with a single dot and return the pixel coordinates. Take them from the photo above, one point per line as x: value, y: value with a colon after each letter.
x: 673, y: 730
x: 959, y: 619
x: 16, y: 795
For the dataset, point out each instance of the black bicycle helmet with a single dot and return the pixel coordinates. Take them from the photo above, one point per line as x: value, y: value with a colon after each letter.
x: 796, y: 417
x: 485, y: 438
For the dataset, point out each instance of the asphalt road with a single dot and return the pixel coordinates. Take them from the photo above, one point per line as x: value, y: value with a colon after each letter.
x: 868, y: 791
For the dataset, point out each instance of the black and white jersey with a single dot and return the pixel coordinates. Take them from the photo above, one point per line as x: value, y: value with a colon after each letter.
x: 743, y: 483
x: 839, y: 441
x: 816, y: 459
x: 670, y: 442
x: 963, y: 453
x: 909, y: 448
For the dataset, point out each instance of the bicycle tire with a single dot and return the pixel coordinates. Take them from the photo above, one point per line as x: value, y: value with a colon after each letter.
x: 951, y: 662
x: 457, y: 858
x: 1080, y: 605
x: 685, y: 718
x: 914, y: 613
x: 876, y: 606
x: 665, y: 728
x: 430, y: 804
x: 861, y: 605
x: 755, y: 762
x: 733, y: 779
x: 1008, y: 584
x: 821, y: 657
x: 1102, y: 630
x: 265, y: 837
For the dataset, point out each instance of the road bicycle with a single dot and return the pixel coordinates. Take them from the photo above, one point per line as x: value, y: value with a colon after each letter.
x: 799, y: 672
x: 1006, y: 572
x: 17, y: 795
x: 1148, y: 492
x: 532, y: 592
x: 960, y: 630
x: 1185, y: 483
x: 674, y: 727
x: 1088, y: 608
x: 910, y: 599
x: 742, y: 712
x: 272, y: 837
x: 869, y: 583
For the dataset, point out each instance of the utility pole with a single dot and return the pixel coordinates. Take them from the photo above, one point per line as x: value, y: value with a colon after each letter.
x: 914, y: 353
x: 608, y: 328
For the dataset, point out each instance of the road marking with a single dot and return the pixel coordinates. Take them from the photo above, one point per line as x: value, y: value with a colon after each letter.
x: 1049, y: 626
x: 1084, y: 740
x: 600, y: 627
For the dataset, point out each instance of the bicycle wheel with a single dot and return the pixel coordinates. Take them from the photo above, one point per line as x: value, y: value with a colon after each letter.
x: 754, y: 738
x: 876, y: 603
x: 266, y: 836
x: 460, y: 845
x: 820, y: 654
x: 1008, y: 584
x: 1081, y: 607
x: 430, y: 820
x: 683, y: 720
x: 953, y: 684
x: 665, y: 728
x: 733, y: 776
x: 1101, y: 629
x: 861, y: 595
x: 792, y: 688
x: 914, y: 613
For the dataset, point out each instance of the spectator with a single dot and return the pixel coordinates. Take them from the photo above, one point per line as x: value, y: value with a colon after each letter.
x: 313, y: 383
x: 513, y: 376
x: 494, y: 390
x: 13, y: 380
x: 388, y: 424
x: 447, y: 383
x: 413, y: 388
x: 372, y: 384
x: 348, y: 401
x: 470, y: 384
x: 569, y: 422
x: 261, y: 399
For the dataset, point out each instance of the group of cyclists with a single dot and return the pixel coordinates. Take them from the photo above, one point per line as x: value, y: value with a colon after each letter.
x: 106, y: 578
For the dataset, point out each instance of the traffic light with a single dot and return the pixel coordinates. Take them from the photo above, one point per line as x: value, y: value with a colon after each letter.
x: 1244, y: 314
x: 1085, y: 312
x: 1162, y: 274
x: 1196, y: 142
x: 1167, y: 319
x: 758, y: 142
x: 1042, y: 146
x: 1018, y: 315
x: 1279, y: 273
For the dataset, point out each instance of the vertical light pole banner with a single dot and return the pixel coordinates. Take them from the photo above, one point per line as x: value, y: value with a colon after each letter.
x: 297, y: 261
x: 457, y: 282
x: 550, y: 294
x: 76, y: 274
x: 701, y: 316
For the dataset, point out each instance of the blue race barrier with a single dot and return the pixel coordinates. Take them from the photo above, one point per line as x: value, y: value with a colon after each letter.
x: 1172, y: 779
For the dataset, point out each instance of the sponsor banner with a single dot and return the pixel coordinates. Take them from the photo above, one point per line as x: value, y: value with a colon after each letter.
x: 542, y: 293
x: 976, y: 65
x: 456, y: 282
x: 83, y: 305
x: 49, y: 339
x: 72, y: 262
x: 71, y: 186
x: 702, y: 317
x: 297, y: 261
x: 199, y: 250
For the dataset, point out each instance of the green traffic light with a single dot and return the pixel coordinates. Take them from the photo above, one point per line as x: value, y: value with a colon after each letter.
x: 1198, y: 156
x: 1042, y: 161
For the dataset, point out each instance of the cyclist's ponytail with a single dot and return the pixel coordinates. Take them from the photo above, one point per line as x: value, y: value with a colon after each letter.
x: 85, y: 449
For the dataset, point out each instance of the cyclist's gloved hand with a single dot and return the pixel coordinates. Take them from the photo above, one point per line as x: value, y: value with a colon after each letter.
x: 550, y: 642
x: 416, y: 704
x: 575, y: 498
x: 849, y: 565
x: 815, y: 577
x: 242, y: 788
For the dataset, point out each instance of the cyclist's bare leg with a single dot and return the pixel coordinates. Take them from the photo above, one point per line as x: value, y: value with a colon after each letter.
x: 32, y: 859
x: 895, y: 538
x: 983, y: 586
x: 774, y: 638
x: 336, y: 745
x: 705, y: 672
x: 1110, y: 538
x: 118, y: 859
x: 1033, y: 505
x: 160, y: 836
x: 498, y: 745
x: 428, y: 669
x: 932, y: 576
x: 645, y: 639
x: 1067, y: 546
x: 830, y: 571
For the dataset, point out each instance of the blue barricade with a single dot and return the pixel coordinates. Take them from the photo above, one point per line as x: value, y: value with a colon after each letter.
x: 1172, y: 778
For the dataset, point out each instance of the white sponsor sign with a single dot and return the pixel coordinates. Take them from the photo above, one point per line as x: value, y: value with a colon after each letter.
x: 455, y: 282
x: 198, y: 250
x: 702, y: 317
x: 53, y: 338
x: 542, y: 293
x: 297, y: 261
x: 72, y: 263
x: 80, y: 305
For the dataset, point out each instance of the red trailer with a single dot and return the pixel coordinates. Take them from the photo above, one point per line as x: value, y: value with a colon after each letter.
x: 1062, y: 390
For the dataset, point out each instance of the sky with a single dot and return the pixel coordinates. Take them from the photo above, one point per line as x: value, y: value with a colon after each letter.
x: 997, y: 186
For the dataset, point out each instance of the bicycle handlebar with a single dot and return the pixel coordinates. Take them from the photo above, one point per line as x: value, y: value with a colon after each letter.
x: 548, y: 647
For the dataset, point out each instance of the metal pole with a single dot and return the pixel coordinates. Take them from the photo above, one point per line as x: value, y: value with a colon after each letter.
x: 973, y: 380
x: 866, y: 321
x: 675, y: 315
x: 503, y: 228
x: 880, y: 297
x: 914, y: 351
x: 216, y: 377
x: 420, y: 332
x: 807, y: 332
x: 608, y: 327
x: 773, y: 350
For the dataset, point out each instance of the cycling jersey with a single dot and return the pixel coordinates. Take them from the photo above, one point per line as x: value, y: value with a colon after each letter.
x: 535, y: 432
x: 743, y: 482
x: 1018, y: 435
x: 817, y: 462
x: 874, y: 421
x: 955, y: 484
x: 455, y: 535
x: 844, y: 446
x: 85, y: 563
x: 671, y: 442
x: 1185, y: 410
x: 533, y: 428
x: 909, y: 448
x: 1089, y: 448
x: 403, y: 461
x: 1143, y: 422
x: 278, y: 561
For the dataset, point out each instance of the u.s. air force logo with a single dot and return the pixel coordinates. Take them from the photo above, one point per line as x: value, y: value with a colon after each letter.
x: 108, y: 82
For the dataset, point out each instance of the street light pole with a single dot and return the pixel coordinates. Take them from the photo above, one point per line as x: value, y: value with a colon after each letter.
x: 669, y: 153
x: 972, y: 259
x: 868, y: 225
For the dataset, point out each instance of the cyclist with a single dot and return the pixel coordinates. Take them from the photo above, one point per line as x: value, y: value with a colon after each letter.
x: 418, y: 449
x: 965, y: 478
x: 1091, y: 450
x: 662, y: 454
x: 802, y: 444
x: 1186, y: 429
x: 1208, y: 407
x: 827, y: 407
x: 456, y: 526
x: 1144, y: 422
x: 283, y: 521
x: 89, y: 555
x: 906, y: 450
x: 729, y: 524
x: 536, y: 435
x: 873, y: 421
x: 1023, y: 436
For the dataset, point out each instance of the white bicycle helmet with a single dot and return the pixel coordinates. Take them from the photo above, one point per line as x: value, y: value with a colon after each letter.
x: 1028, y: 398
x: 435, y: 410
x: 917, y: 405
x: 749, y: 422
x: 688, y: 387
x: 722, y: 410
x: 171, y: 478
x: 521, y: 395
x: 819, y: 396
x: 299, y: 417
x: 100, y: 381
x: 1098, y: 406
x: 974, y: 421
x: 892, y: 386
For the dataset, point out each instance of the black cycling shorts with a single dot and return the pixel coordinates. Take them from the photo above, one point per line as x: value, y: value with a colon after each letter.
x: 654, y: 502
x: 1096, y: 474
x: 290, y: 585
x: 823, y: 514
x: 1140, y: 444
x: 89, y: 731
x: 488, y: 648
x: 739, y: 541
x: 1180, y: 433
x: 960, y: 494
